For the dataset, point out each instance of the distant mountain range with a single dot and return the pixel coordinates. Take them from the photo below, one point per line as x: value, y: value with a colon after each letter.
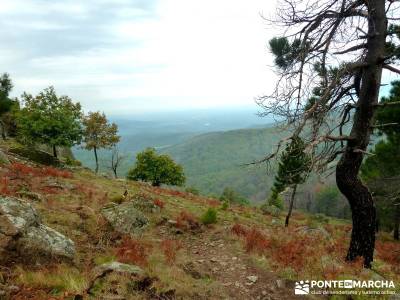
x: 211, y: 149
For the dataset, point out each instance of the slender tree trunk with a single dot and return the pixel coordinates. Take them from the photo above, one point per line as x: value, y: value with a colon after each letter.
x: 115, y: 172
x: 3, y: 130
x: 360, y: 199
x: 290, y: 206
x: 96, y: 158
x: 396, y: 222
x: 55, y: 151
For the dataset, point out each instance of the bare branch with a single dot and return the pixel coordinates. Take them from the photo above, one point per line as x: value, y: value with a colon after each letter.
x: 391, y: 68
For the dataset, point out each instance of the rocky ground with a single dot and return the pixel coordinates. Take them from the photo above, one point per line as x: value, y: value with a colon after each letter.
x: 66, y: 233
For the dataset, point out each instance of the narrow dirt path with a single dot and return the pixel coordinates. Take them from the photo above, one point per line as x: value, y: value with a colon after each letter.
x: 216, y: 255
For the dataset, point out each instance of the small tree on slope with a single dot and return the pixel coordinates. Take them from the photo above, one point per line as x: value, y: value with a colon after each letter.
x: 157, y: 169
x: 99, y: 133
x: 294, y: 167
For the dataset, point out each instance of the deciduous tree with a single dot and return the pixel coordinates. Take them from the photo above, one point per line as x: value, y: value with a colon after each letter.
x: 50, y: 119
x: 157, y: 169
x: 98, y: 133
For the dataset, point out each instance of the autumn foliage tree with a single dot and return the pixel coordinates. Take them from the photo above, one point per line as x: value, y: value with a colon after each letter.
x: 98, y: 133
x: 157, y: 169
x: 329, y: 60
x: 50, y: 119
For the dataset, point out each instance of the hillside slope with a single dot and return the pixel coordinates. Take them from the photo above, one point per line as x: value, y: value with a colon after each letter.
x: 216, y: 160
x: 170, y: 253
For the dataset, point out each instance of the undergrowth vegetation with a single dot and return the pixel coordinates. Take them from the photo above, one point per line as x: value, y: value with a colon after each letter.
x: 71, y: 202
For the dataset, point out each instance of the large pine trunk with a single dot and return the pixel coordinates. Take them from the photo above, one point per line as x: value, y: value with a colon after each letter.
x: 361, y: 203
x: 396, y: 222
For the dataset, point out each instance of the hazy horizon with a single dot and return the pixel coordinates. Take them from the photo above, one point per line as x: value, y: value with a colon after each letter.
x: 131, y: 57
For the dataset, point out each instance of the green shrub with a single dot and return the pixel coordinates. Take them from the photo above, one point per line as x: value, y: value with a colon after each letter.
x: 72, y: 162
x: 270, y: 210
x: 209, y: 217
x: 192, y: 190
x: 225, y: 205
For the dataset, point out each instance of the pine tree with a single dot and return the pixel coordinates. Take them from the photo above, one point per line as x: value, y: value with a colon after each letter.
x: 385, y: 163
x: 294, y: 167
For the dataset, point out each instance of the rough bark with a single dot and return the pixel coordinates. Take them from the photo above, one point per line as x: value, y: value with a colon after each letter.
x: 290, y: 206
x: 396, y: 222
x: 360, y: 199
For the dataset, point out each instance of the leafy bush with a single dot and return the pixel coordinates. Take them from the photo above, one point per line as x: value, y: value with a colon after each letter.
x: 225, y: 205
x: 157, y: 169
x: 192, y: 190
x: 270, y: 210
x: 230, y: 195
x: 209, y: 217
x: 72, y: 162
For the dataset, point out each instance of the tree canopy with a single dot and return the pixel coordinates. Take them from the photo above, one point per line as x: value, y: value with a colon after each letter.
x: 50, y: 119
x: 157, y: 169
x: 99, y: 133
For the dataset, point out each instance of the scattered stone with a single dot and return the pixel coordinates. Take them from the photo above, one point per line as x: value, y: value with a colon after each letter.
x: 30, y: 195
x: 200, y: 261
x: 125, y: 218
x: 22, y: 233
x: 190, y: 269
x: 13, y: 289
x: 214, y: 260
x: 237, y: 284
x: 280, y: 284
x: 252, y: 278
x: 264, y: 293
x: 118, y: 267
x: 145, y: 203
x: 234, y: 258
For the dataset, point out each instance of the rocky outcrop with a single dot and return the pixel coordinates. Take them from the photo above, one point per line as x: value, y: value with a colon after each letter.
x: 125, y: 218
x: 22, y: 233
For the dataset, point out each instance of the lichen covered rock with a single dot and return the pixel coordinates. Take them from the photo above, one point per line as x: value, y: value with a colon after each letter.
x: 125, y: 218
x: 22, y: 233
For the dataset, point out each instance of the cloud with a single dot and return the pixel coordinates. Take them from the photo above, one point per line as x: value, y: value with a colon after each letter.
x: 124, y: 56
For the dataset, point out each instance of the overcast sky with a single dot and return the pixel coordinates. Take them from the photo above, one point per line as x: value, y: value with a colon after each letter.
x: 129, y: 56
